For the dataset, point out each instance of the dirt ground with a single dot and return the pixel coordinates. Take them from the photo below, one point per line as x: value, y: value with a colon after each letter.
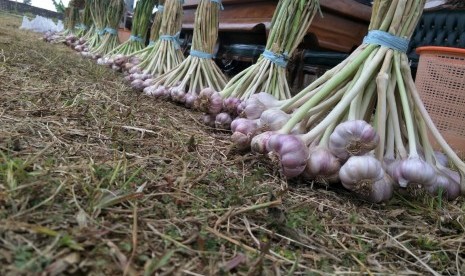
x: 97, y: 179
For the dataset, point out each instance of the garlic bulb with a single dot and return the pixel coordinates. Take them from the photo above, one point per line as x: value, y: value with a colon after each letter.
x: 209, y: 120
x: 273, y: 119
x: 413, y: 171
x: 259, y: 142
x: 177, y: 94
x: 253, y: 109
x: 352, y: 138
x: 448, y: 181
x: 365, y: 176
x: 190, y: 100
x: 223, y: 121
x: 292, y: 153
x: 322, y: 165
x: 230, y: 105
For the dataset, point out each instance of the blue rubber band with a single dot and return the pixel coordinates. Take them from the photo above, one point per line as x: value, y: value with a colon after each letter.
x: 151, y: 43
x: 100, y: 32
x: 201, y: 54
x: 111, y: 31
x: 173, y: 38
x: 136, y: 38
x: 388, y: 40
x: 160, y: 8
x: 219, y: 2
x: 81, y: 27
x: 278, y: 59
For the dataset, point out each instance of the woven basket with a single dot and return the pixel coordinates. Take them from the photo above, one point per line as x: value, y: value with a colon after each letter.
x: 440, y: 81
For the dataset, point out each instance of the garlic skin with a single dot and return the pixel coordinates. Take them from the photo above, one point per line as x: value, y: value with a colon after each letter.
x: 177, y: 94
x: 209, y: 120
x: 253, y: 109
x: 138, y: 84
x: 260, y: 141
x: 448, y: 181
x: 441, y: 158
x: 365, y: 176
x: 267, y: 99
x: 243, y: 131
x: 223, y: 121
x: 414, y: 171
x: 204, y: 101
x: 190, y: 99
x: 292, y: 153
x: 353, y: 138
x: 149, y: 90
x: 322, y: 165
x: 230, y: 105
x: 273, y: 119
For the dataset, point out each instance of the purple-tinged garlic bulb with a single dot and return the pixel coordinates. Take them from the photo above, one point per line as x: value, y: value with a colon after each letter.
x: 161, y: 92
x: 148, y: 82
x: 243, y: 131
x: 135, y: 70
x: 273, y: 119
x: 292, y: 153
x: 413, y: 171
x: 441, y: 158
x: 230, y: 105
x: 448, y: 188
x: 223, y: 121
x: 259, y: 142
x: 138, y: 84
x: 253, y: 109
x: 178, y: 94
x: 353, y: 138
x: 190, y: 99
x: 116, y: 67
x: 322, y: 165
x: 149, y: 90
x: 209, y: 120
x: 365, y: 176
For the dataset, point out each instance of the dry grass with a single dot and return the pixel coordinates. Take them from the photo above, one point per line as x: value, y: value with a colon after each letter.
x: 98, y: 179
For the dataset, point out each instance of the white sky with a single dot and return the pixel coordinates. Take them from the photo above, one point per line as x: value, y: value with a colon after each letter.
x: 46, y: 4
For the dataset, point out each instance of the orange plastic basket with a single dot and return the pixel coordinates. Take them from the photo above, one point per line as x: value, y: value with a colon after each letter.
x: 440, y: 82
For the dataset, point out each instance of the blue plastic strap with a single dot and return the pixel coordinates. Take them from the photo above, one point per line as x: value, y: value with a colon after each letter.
x: 278, y: 59
x: 151, y: 42
x: 81, y: 27
x: 173, y: 38
x: 136, y: 38
x: 219, y: 2
x: 100, y: 32
x: 111, y: 31
x: 201, y: 54
x: 161, y: 8
x: 388, y: 40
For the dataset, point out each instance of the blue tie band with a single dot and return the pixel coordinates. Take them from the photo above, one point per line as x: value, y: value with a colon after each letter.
x: 278, y: 59
x: 201, y: 54
x: 388, y: 40
x: 220, y: 4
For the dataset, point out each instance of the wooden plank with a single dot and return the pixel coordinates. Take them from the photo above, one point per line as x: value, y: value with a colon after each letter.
x: 342, y: 28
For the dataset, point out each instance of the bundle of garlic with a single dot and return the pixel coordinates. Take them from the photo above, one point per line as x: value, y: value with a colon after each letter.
x: 140, y: 25
x: 95, y: 35
x: 362, y: 123
x: 166, y: 51
x: 198, y: 70
x: 72, y: 20
x: 145, y: 54
x: 85, y: 28
x: 86, y: 20
x: 110, y: 40
x: 289, y: 25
